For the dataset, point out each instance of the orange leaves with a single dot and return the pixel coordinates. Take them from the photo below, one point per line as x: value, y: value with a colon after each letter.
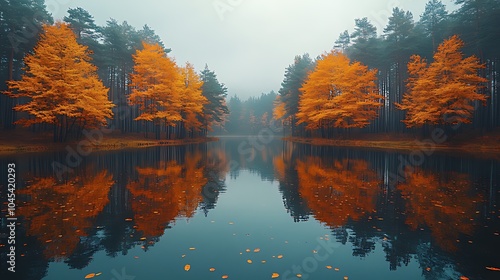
x: 155, y: 85
x: 442, y: 92
x: 61, y: 83
x: 339, y: 93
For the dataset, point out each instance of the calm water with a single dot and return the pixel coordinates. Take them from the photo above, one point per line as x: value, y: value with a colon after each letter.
x: 324, y: 213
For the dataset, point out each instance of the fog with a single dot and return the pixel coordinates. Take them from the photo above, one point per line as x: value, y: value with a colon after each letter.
x: 248, y: 43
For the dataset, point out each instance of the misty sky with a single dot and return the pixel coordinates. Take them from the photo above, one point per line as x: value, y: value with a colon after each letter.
x: 248, y: 43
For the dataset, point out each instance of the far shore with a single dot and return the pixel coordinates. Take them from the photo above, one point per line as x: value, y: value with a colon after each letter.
x: 483, y: 146
x: 16, y: 142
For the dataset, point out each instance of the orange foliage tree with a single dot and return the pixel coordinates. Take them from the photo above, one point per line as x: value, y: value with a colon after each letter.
x: 346, y: 190
x: 443, y: 91
x: 442, y: 203
x: 339, y: 93
x: 58, y: 215
x: 192, y: 98
x: 61, y: 85
x: 155, y: 87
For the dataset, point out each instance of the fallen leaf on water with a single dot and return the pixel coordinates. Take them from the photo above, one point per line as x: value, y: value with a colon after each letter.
x: 247, y: 250
x: 249, y: 261
x: 263, y: 261
x: 99, y: 273
x: 337, y: 269
x: 212, y: 269
x: 225, y: 276
x: 280, y: 256
x: 256, y: 250
x: 90, y: 275
x: 183, y: 256
x: 275, y: 275
x: 231, y: 223
x: 299, y: 275
x: 346, y: 278
x: 136, y: 257
x: 143, y: 238
x: 329, y: 266
x: 128, y: 220
x: 492, y: 268
x: 187, y: 267
x: 464, y: 278
x: 192, y: 248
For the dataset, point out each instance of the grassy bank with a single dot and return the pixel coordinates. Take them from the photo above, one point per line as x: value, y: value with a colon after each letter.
x: 22, y: 141
x: 487, y: 145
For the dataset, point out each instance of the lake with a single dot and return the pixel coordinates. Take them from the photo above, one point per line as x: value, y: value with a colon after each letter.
x: 242, y: 209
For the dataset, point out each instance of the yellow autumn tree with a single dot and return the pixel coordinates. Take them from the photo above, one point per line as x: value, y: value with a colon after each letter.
x: 61, y: 85
x: 339, y: 93
x: 155, y: 87
x: 442, y: 92
x: 192, y: 99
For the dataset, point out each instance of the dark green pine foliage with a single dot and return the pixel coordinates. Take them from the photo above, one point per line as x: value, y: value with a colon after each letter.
x: 215, y: 110
x: 20, y: 25
x: 289, y: 92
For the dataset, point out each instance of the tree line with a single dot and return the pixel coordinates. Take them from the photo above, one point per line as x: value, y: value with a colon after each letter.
x: 249, y: 117
x: 438, y: 71
x: 74, y: 75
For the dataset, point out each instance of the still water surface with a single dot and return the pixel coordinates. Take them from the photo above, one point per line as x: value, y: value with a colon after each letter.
x: 282, y: 209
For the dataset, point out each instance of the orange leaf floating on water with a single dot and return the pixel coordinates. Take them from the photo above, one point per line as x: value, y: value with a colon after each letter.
x: 492, y: 268
x: 128, y: 220
x: 337, y: 269
x: 143, y: 238
x: 90, y: 275
x: 212, y: 269
x: 346, y: 278
x: 263, y: 261
x: 299, y: 275
x: 464, y: 278
x: 225, y: 276
x: 280, y: 256
x: 249, y: 261
x: 247, y: 250
x: 192, y: 248
x: 256, y: 250
x: 275, y: 275
x: 187, y: 267
x: 329, y: 266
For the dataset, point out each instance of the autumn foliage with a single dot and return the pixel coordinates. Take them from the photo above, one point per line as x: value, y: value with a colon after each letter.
x: 61, y: 85
x: 339, y: 93
x: 167, y: 95
x: 443, y: 91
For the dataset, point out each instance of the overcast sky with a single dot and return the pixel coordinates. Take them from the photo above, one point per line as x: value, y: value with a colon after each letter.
x: 248, y: 43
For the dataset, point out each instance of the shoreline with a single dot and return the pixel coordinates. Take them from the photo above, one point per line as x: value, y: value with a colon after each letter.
x: 489, y: 148
x: 114, y: 143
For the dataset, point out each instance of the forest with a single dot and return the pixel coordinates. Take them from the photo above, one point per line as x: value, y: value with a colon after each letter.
x: 65, y: 77
x: 439, y: 71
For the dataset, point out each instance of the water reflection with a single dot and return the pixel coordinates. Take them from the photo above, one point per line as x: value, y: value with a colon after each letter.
x: 442, y: 214
x: 60, y: 214
x: 444, y: 203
